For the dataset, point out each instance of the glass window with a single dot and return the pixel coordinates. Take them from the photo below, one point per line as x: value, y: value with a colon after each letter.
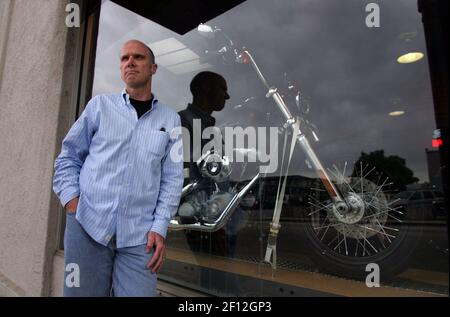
x: 417, y: 196
x: 428, y: 195
x: 403, y: 195
x: 362, y: 100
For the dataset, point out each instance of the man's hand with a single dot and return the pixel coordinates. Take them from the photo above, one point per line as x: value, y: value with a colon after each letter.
x: 72, y: 205
x: 157, y: 241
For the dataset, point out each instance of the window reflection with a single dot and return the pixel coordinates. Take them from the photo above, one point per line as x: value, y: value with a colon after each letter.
x: 343, y: 80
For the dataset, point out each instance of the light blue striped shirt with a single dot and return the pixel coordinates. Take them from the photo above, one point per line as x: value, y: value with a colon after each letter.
x: 121, y: 168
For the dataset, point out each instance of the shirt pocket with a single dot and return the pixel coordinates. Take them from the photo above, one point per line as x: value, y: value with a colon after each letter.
x: 155, y: 142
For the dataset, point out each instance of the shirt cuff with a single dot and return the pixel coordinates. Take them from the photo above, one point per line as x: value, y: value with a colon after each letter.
x: 160, y: 227
x: 68, y: 194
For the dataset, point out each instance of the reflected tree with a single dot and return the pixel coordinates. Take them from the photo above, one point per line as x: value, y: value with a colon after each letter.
x: 392, y: 166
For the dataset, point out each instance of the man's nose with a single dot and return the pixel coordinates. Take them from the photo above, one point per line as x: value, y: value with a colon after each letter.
x: 130, y: 62
x: 227, y: 96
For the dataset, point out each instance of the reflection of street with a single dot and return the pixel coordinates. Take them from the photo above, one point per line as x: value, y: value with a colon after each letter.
x: 259, y: 280
x: 427, y: 271
x: 427, y: 260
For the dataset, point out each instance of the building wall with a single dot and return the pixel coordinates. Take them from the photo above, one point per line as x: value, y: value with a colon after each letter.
x: 434, y: 168
x: 33, y: 115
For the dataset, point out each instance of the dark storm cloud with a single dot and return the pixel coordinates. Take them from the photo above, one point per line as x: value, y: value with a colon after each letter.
x: 348, y: 70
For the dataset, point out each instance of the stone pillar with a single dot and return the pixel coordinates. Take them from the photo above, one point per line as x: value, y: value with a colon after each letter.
x: 33, y: 102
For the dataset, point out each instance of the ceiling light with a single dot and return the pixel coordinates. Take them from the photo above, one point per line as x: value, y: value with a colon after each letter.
x: 410, y: 58
x: 396, y: 113
x: 166, y: 46
x: 176, y: 57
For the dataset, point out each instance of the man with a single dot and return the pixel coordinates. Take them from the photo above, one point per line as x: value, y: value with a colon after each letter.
x: 119, y: 185
x: 209, y: 93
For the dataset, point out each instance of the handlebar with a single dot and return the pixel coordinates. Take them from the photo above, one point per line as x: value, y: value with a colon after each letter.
x: 244, y: 57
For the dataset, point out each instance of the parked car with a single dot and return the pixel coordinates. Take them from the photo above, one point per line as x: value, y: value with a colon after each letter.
x: 429, y: 201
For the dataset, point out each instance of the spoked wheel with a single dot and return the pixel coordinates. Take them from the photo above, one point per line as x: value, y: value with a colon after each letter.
x: 373, y: 230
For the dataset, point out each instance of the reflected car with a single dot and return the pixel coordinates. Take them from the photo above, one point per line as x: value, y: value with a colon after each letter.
x: 430, y: 202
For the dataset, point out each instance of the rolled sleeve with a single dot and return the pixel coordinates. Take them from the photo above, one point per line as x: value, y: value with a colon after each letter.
x: 69, y: 194
x: 75, y: 148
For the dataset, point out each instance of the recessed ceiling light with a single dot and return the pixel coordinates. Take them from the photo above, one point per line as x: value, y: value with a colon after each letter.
x: 410, y: 58
x: 176, y: 57
x: 396, y: 113
x: 166, y: 46
x: 188, y: 67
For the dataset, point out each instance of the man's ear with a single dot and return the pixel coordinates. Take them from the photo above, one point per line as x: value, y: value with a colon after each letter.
x: 154, y: 68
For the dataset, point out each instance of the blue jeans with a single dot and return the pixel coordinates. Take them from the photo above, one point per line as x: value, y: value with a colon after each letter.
x: 92, y: 269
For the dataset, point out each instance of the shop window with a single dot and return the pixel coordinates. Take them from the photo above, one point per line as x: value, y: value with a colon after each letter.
x: 349, y: 203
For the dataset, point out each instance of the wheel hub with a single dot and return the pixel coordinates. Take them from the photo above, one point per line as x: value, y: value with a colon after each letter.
x: 353, y: 210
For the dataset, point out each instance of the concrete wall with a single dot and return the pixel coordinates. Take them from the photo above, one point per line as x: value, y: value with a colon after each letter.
x: 34, y: 113
x: 38, y: 85
x: 57, y: 275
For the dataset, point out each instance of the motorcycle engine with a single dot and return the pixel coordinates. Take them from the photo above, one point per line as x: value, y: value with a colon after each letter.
x: 215, y: 167
x: 198, y: 207
x: 206, y: 205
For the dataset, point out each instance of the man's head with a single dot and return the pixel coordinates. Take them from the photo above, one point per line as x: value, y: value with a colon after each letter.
x: 137, y: 64
x: 209, y: 91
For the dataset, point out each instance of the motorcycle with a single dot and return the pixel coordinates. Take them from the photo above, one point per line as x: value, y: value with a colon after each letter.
x: 350, y: 222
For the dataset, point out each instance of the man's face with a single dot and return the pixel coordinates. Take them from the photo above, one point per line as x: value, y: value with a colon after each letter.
x: 218, y: 94
x: 136, y: 65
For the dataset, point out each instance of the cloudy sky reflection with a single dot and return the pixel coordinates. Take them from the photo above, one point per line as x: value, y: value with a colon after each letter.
x: 348, y: 71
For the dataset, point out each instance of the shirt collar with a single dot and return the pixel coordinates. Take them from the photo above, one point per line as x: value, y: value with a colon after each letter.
x: 126, y: 98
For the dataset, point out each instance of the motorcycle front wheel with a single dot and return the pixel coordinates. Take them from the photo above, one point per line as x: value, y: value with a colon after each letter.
x: 376, y: 231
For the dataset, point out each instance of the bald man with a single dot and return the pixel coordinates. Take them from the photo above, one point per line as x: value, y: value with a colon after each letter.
x: 119, y: 184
